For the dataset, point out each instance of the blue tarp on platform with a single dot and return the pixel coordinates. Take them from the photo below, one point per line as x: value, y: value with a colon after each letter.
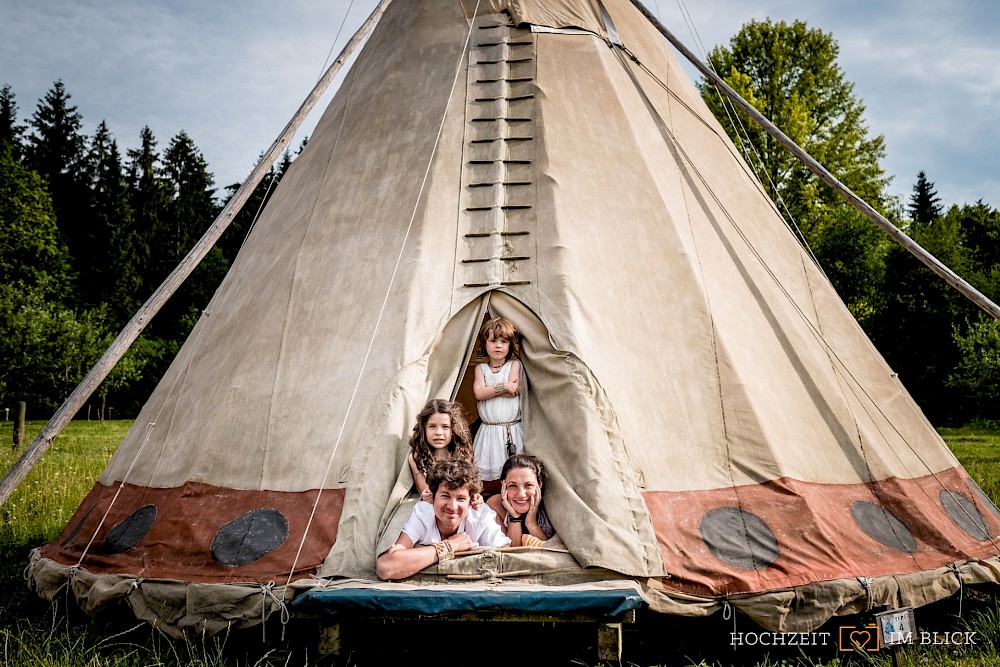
x: 599, y: 603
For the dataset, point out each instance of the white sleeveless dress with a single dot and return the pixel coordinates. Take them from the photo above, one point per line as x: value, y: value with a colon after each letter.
x: 498, y: 416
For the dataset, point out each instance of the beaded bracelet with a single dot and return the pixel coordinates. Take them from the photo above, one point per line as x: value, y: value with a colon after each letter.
x: 444, y: 550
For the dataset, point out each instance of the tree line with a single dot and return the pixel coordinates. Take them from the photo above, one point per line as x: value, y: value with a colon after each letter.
x: 86, y: 235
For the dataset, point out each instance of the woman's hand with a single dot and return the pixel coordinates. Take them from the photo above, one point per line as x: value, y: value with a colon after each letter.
x: 427, y: 495
x: 476, y: 502
x: 506, y: 504
x: 533, y: 504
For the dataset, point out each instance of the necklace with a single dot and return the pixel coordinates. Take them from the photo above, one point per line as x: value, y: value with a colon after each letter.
x: 495, y: 369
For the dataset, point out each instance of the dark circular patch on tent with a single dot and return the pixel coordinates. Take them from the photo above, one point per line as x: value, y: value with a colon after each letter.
x: 965, y: 514
x: 739, y: 538
x: 130, y: 530
x: 880, y: 525
x: 983, y: 498
x: 249, y: 537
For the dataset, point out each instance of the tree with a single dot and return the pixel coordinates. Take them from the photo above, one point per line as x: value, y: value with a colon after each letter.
x: 56, y: 145
x: 790, y: 74
x: 55, y: 150
x: 981, y: 241
x: 124, y: 377
x: 31, y: 251
x: 10, y: 131
x: 914, y: 330
x: 193, y: 207
x: 190, y: 211
x: 109, y: 214
x: 928, y: 330
x: 45, y: 346
x: 149, y: 196
x: 232, y: 239
x: 976, y: 377
x: 925, y: 205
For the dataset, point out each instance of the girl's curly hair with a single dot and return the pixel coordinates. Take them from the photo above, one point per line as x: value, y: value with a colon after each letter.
x: 460, y: 447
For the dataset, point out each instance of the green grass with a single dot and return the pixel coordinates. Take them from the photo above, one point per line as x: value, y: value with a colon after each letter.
x: 35, y: 633
x: 48, y: 496
x: 979, y: 451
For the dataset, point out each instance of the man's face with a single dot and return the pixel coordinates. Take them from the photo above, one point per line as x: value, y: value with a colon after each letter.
x: 450, y: 508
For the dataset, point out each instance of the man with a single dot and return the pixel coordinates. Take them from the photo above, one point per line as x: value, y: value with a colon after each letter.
x: 435, y: 531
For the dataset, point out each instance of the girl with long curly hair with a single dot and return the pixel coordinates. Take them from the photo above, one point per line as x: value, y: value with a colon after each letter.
x: 440, y: 434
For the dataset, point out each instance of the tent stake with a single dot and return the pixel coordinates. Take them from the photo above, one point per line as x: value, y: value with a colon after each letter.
x: 114, y: 353
x: 915, y: 249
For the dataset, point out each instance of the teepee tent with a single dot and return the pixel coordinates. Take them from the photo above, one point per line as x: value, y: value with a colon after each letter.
x: 717, y: 427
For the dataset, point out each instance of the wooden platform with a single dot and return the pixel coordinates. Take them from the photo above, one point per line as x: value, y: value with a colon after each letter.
x: 338, y: 609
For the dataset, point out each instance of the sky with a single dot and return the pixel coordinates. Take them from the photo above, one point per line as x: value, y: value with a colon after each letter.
x: 231, y: 74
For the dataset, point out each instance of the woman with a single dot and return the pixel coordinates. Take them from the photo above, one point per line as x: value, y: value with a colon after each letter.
x: 518, y: 506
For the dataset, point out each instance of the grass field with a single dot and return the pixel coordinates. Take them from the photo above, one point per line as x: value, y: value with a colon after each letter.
x: 35, y: 633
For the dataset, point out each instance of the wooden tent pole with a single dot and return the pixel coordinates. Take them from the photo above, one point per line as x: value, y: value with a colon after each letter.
x: 932, y: 262
x: 107, y: 362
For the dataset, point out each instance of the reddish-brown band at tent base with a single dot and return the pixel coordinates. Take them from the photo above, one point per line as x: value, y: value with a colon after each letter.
x: 200, y: 533
x: 801, y: 532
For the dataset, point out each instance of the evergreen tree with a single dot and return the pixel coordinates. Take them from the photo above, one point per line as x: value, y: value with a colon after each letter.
x: 11, y: 133
x: 191, y: 210
x: 790, y: 74
x: 232, y: 239
x: 925, y: 205
x: 56, y: 146
x: 193, y: 207
x: 110, y: 220
x: 149, y: 197
x: 55, y: 149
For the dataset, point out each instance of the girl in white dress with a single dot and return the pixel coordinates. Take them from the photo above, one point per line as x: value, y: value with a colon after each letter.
x: 497, y: 388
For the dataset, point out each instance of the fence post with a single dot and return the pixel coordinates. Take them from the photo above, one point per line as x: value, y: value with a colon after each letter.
x: 22, y: 409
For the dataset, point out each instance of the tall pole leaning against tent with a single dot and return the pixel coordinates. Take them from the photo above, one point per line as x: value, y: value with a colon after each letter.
x: 142, y: 317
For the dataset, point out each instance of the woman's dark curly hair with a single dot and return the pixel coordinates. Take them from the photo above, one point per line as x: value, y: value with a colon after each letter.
x: 528, y: 461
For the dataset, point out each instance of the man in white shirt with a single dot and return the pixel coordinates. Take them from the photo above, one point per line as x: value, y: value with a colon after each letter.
x: 435, y: 531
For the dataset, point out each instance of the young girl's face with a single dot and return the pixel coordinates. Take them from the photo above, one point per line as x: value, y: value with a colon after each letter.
x: 497, y: 348
x: 438, y: 431
x: 521, y: 484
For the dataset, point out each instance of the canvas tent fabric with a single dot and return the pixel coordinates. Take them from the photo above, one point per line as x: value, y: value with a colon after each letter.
x: 716, y: 425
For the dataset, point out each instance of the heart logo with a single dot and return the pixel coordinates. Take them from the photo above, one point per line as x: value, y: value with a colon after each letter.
x: 860, y: 638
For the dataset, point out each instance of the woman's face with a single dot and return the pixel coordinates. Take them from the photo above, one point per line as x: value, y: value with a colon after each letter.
x: 521, y: 484
x: 438, y: 430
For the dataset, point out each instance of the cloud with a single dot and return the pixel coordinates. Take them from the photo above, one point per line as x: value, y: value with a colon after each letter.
x: 229, y: 75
